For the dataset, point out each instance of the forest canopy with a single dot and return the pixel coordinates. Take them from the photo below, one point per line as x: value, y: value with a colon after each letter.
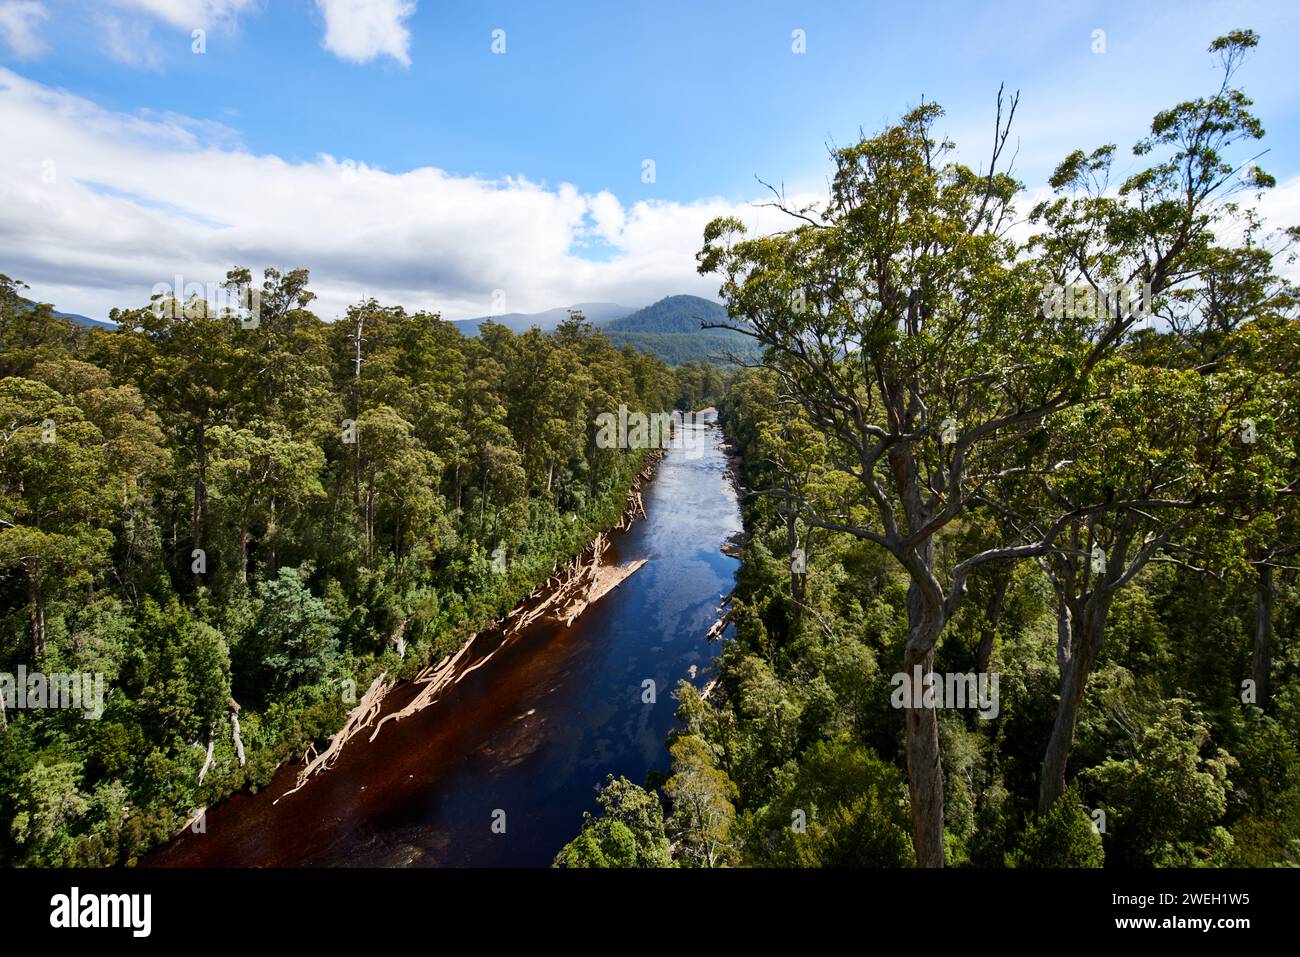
x: 1063, y: 457
x: 239, y: 523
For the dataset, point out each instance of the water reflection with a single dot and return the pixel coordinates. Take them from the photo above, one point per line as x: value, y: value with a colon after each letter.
x: 531, y: 733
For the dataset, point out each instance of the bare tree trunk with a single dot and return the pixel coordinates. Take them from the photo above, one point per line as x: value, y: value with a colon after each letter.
x: 924, y: 768
x: 796, y: 573
x: 1262, y: 657
x: 200, y: 490
x: 925, y: 621
x: 36, y: 592
x: 1085, y: 638
x: 989, y: 630
x: 243, y: 548
x: 271, y: 567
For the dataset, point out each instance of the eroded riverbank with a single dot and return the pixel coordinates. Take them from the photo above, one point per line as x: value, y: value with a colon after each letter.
x: 535, y: 721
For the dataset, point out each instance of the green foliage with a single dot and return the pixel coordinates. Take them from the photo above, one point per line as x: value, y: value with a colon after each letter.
x: 628, y: 831
x: 840, y: 806
x: 1173, y: 765
x: 1063, y: 837
x: 219, y: 518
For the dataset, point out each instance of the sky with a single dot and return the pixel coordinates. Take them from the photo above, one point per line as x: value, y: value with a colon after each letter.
x: 480, y: 157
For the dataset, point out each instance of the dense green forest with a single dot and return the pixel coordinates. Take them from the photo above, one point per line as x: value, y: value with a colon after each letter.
x: 1019, y: 580
x: 239, y: 526
x: 1066, y: 459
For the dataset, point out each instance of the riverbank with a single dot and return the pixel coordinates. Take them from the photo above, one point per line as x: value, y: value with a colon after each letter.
x: 562, y: 598
x: 531, y: 721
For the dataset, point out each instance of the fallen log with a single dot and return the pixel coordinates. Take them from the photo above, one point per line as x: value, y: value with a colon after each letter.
x: 360, y: 717
x: 234, y: 730
x: 207, y: 762
x: 433, y: 683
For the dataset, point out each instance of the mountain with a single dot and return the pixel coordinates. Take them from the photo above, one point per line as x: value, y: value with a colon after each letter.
x: 670, y: 328
x: 72, y: 317
x: 597, y: 313
x: 673, y: 329
x: 85, y: 320
x: 671, y: 316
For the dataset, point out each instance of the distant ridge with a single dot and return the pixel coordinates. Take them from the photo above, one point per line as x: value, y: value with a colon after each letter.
x: 670, y: 316
x: 85, y: 320
x: 674, y: 329
x: 597, y: 313
x: 74, y: 318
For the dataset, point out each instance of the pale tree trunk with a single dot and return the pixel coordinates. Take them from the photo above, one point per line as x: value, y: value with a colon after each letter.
x: 36, y: 591
x: 273, y: 565
x: 924, y: 768
x: 925, y: 620
x: 1081, y: 632
x: 243, y: 548
x: 1262, y: 657
x: 200, y: 491
x: 792, y: 543
x: 989, y: 629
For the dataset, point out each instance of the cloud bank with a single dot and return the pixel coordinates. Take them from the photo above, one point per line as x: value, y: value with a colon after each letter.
x: 97, y: 207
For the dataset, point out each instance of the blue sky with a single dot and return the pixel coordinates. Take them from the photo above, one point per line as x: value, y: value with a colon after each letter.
x: 584, y: 94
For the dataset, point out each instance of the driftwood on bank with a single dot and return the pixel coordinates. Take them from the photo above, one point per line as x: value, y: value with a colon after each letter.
x: 239, y: 744
x: 207, y: 762
x: 562, y: 597
x: 190, y: 821
x: 359, y: 718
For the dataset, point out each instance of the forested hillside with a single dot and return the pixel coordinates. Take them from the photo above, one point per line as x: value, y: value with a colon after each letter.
x: 597, y: 313
x: 238, y: 527
x: 1060, y: 469
x: 677, y: 330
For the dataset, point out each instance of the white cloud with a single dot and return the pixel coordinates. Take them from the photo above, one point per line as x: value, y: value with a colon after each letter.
x: 361, y: 30
x: 97, y: 207
x: 136, y: 200
x: 190, y: 14
x: 18, y: 26
x: 129, y: 43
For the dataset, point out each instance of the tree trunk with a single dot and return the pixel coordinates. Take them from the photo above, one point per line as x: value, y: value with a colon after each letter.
x: 200, y: 489
x: 1262, y: 658
x: 370, y: 519
x: 992, y: 617
x: 1085, y: 643
x: 243, y: 548
x: 796, y: 575
x: 924, y: 768
x: 274, y: 561
x: 925, y: 620
x: 36, y: 592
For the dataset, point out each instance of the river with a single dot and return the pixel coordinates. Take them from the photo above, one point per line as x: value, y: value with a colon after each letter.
x: 523, y: 740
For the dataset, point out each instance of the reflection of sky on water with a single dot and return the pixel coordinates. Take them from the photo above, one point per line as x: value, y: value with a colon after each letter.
x: 533, y: 731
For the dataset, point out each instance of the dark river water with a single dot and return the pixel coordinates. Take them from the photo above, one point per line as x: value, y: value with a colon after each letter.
x: 531, y: 733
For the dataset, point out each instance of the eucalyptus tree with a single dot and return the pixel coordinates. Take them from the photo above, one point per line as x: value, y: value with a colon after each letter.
x: 57, y: 493
x: 904, y: 321
x: 1175, y: 237
x: 923, y: 343
x: 184, y: 357
x: 1147, y: 467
